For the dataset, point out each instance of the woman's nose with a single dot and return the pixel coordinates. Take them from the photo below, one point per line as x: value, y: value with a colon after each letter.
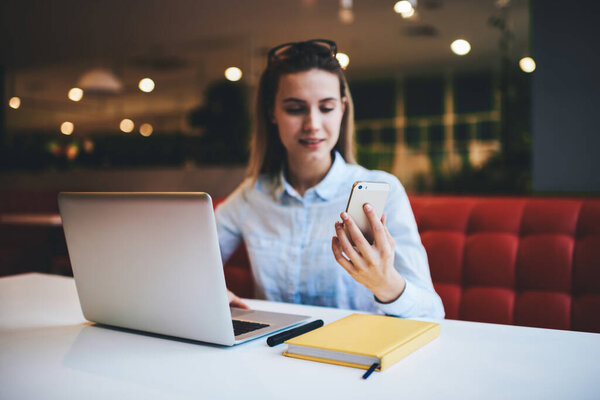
x: 312, y: 121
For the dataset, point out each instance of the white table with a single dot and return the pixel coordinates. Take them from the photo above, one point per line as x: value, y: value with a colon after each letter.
x: 48, y: 351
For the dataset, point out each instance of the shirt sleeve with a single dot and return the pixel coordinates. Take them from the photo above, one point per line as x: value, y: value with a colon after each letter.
x: 419, y: 298
x: 228, y: 216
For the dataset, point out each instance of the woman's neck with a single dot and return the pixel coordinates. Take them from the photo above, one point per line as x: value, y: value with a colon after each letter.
x: 303, y: 174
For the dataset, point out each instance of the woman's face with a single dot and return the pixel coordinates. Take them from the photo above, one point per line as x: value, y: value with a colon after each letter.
x: 308, y: 113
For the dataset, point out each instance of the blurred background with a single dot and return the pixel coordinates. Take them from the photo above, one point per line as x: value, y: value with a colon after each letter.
x: 478, y: 97
x: 96, y: 94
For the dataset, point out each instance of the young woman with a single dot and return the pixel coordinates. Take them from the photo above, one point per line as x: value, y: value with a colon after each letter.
x: 300, y: 175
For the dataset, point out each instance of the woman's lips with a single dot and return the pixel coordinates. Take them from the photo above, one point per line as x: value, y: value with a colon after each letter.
x: 311, y: 143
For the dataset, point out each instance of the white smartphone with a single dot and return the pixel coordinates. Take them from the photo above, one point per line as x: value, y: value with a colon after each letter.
x: 374, y: 193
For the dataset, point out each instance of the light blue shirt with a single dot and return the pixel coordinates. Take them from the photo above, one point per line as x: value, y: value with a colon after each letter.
x: 288, y: 238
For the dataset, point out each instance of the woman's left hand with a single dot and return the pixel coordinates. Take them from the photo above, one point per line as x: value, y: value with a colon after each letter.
x: 369, y: 264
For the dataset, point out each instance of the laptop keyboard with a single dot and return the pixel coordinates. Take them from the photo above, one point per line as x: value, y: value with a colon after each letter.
x: 240, y: 327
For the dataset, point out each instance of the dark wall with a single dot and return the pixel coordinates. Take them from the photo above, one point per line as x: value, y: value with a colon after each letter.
x: 566, y: 96
x: 3, y: 107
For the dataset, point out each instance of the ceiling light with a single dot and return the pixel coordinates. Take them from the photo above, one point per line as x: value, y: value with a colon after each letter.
x: 527, y: 64
x: 99, y: 81
x: 403, y: 7
x: 346, y: 16
x: 233, y: 74
x: 343, y: 59
x: 146, y: 130
x: 67, y: 128
x: 408, y: 14
x: 146, y: 85
x: 14, y: 102
x: 75, y: 94
x: 126, y: 125
x: 460, y: 47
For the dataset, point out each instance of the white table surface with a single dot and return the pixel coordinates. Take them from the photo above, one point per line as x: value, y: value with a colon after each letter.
x: 48, y: 351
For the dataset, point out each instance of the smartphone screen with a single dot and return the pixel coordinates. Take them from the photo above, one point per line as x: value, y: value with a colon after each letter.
x: 374, y: 193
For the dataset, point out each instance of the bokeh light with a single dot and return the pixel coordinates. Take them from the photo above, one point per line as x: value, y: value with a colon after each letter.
x: 146, y: 85
x: 233, y: 74
x: 403, y: 7
x: 146, y: 130
x: 88, y: 146
x: 343, y: 59
x: 54, y: 149
x: 127, y: 125
x: 460, y: 47
x: 346, y: 15
x: 409, y: 13
x: 71, y: 151
x: 67, y: 128
x: 527, y: 64
x: 75, y: 94
x: 14, y: 102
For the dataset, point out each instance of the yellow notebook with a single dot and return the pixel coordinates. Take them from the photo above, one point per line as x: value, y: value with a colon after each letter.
x: 361, y: 340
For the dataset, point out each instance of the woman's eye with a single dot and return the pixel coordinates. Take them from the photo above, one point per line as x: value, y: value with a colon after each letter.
x: 326, y: 109
x: 294, y: 111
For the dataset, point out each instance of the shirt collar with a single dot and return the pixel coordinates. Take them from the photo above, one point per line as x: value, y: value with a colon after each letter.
x: 325, y: 189
x: 329, y: 186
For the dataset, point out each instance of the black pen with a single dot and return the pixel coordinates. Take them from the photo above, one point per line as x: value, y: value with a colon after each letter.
x: 283, y: 336
x: 370, y: 370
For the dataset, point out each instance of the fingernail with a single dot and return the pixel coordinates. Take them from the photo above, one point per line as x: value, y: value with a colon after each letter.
x: 368, y: 207
x: 344, y: 216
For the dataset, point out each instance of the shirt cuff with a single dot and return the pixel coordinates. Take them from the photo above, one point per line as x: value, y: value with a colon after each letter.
x: 404, y: 305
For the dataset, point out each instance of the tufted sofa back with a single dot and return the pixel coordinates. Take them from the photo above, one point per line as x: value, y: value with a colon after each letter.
x: 521, y: 261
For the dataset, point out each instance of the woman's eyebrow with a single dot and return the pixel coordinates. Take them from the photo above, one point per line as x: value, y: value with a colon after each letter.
x: 293, y: 100
x: 296, y: 100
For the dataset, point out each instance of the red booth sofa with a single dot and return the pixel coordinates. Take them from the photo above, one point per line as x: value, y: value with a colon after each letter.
x: 522, y: 261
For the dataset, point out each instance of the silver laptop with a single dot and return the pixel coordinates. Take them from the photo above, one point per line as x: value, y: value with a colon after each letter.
x: 151, y: 262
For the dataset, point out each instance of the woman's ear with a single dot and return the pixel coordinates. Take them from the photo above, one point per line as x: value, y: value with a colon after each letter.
x: 344, y: 104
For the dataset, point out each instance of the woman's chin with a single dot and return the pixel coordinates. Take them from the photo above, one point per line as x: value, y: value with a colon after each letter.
x: 311, y: 151
x: 320, y: 156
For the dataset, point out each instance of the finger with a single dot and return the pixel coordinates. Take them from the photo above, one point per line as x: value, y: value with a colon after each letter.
x: 339, y: 256
x: 379, y: 236
x: 347, y: 247
x: 235, y: 300
x: 390, y: 238
x: 357, y: 236
x: 239, y: 303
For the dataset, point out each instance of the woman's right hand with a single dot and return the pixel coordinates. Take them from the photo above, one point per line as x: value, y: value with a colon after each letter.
x: 235, y: 301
